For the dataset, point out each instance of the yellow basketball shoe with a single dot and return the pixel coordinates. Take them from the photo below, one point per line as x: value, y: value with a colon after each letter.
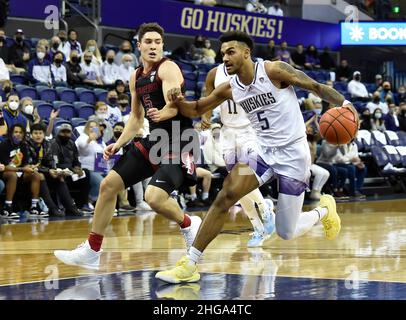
x: 183, y: 272
x: 331, y: 221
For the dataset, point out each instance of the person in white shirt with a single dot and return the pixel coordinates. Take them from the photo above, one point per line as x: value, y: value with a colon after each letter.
x: 376, y: 103
x: 72, y: 44
x: 4, y: 73
x: 90, y: 143
x: 58, y: 71
x: 91, y: 70
x: 91, y: 46
x: 110, y: 72
x: 275, y: 10
x: 114, y: 113
x: 357, y: 89
x: 255, y: 6
x: 126, y: 68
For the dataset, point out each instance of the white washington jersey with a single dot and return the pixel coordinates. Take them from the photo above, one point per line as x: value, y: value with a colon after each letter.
x: 274, y: 113
x: 231, y: 113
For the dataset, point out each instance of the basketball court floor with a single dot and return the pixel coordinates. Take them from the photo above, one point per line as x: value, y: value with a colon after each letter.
x: 367, y: 260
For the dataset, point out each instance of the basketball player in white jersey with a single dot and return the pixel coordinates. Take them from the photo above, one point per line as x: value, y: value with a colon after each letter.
x: 265, y: 92
x: 237, y: 139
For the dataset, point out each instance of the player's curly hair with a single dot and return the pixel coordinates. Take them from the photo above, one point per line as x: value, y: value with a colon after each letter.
x: 237, y: 36
x: 149, y: 27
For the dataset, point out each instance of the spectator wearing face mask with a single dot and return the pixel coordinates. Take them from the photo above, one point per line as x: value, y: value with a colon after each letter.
x: 29, y: 111
x: 89, y: 143
x: 391, y: 118
x: 365, y: 120
x: 126, y: 48
x: 124, y: 104
x: 377, y: 103
x: 72, y: 44
x: 19, y: 52
x: 312, y: 58
x: 357, y: 89
x: 92, y: 47
x: 126, y: 68
x: 378, y: 122
x: 56, y: 45
x: 59, y: 76
x: 386, y: 91
x: 196, y: 49
x: 114, y: 113
x: 62, y: 36
x: 110, y: 72
x: 3, y: 47
x: 401, y: 96
x: 12, y: 114
x: 7, y: 88
x: 92, y: 71
x: 39, y: 68
x: 102, y: 115
x: 275, y: 10
x: 402, y: 116
x: 74, y: 73
x: 343, y: 71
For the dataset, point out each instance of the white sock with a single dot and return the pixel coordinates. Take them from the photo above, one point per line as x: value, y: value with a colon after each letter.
x: 205, y: 195
x: 322, y: 212
x: 194, y: 255
x: 9, y: 203
x: 193, y: 196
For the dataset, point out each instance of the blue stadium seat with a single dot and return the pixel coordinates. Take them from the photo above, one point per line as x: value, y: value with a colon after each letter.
x: 76, y: 122
x: 46, y: 93
x: 66, y: 110
x: 101, y: 94
x: 190, y: 85
x: 301, y: 94
x: 44, y: 109
x: 402, y: 137
x: 393, y: 156
x: 392, y: 138
x: 185, y: 66
x: 26, y: 91
x: 86, y: 95
x: 340, y: 86
x: 402, y: 152
x: 18, y: 79
x: 307, y: 114
x: 379, y: 156
x: 83, y: 110
x: 202, y: 76
x: 371, y: 87
x: 359, y: 105
x: 66, y: 94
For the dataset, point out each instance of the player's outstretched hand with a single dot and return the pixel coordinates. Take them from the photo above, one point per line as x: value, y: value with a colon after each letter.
x: 174, y: 94
x: 154, y: 114
x: 110, y: 150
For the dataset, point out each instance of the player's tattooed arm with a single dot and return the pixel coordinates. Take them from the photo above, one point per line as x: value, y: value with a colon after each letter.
x: 193, y: 109
x: 287, y: 75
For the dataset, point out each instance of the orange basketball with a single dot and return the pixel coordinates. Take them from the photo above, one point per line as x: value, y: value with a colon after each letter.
x: 338, y: 126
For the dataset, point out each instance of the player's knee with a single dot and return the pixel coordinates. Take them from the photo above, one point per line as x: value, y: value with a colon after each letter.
x: 226, y: 198
x: 285, y: 234
x: 107, y: 188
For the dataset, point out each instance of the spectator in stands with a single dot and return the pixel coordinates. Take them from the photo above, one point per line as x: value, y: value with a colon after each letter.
x: 12, y: 114
x: 45, y: 44
x: 126, y: 69
x: 91, y: 46
x: 365, y: 120
x: 401, y: 96
x: 347, y: 158
x: 66, y: 157
x: 275, y: 9
x: 283, y: 54
x: 74, y: 72
x: 402, y: 116
x: 298, y: 57
x: 212, y: 151
x: 270, y: 53
x: 338, y: 175
x: 124, y: 104
x: 56, y: 46
x: 114, y: 113
x: 343, y: 71
x: 378, y: 122
x: 196, y: 49
x: 59, y: 76
x: 3, y: 47
x: 256, y: 6
x: 110, y: 72
x: 19, y: 52
x: 40, y: 156
x: 7, y: 87
x: 4, y: 73
x: 120, y: 87
x: 208, y: 53
x: 386, y: 91
x: 378, y: 82
x: 313, y: 102
x: 14, y: 155
x: 357, y: 89
x: 209, y: 3
x: 391, y: 118
x: 312, y: 58
x: 102, y: 114
x: 29, y: 112
x: 89, y: 143
x: 62, y: 35
x: 39, y: 68
x: 326, y: 60
x: 320, y: 174
x: 72, y: 44
x: 126, y: 48
x: 376, y: 103
x: 92, y: 71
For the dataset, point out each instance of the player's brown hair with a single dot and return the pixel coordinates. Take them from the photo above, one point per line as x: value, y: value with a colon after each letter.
x: 149, y: 27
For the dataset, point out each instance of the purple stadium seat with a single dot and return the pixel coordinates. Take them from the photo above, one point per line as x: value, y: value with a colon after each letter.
x: 47, y: 94
x: 44, y: 110
x: 86, y: 95
x: 66, y: 94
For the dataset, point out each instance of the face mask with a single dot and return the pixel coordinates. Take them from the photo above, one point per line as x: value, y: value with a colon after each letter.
x: 96, y: 130
x: 378, y: 115
x: 376, y: 100
x: 126, y: 50
x: 101, y: 115
x: 13, y: 105
x: 366, y: 116
x: 74, y: 59
x: 110, y: 60
x: 19, y: 38
x: 123, y: 105
x: 317, y: 111
x: 62, y: 39
x: 357, y: 78
x: 29, y: 109
x: 55, y: 45
x: 40, y: 55
x: 117, y: 134
x: 113, y: 100
x: 92, y: 48
x: 88, y: 61
x: 58, y: 61
x: 64, y: 139
x: 127, y: 64
x: 16, y: 141
x: 7, y: 89
x: 386, y: 89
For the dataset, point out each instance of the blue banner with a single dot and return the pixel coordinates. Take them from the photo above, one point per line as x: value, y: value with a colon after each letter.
x: 373, y: 33
x: 34, y: 9
x: 185, y: 18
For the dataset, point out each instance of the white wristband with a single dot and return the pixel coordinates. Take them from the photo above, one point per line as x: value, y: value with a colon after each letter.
x: 346, y: 102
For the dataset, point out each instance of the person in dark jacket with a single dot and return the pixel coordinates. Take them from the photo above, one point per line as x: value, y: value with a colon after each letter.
x: 14, y: 155
x: 67, y: 158
x: 19, y: 52
x: 74, y: 72
x: 41, y: 156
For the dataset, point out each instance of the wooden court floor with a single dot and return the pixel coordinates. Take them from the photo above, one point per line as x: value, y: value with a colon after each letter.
x: 370, y: 249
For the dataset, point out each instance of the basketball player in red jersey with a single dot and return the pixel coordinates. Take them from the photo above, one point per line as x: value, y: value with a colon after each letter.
x: 157, y: 155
